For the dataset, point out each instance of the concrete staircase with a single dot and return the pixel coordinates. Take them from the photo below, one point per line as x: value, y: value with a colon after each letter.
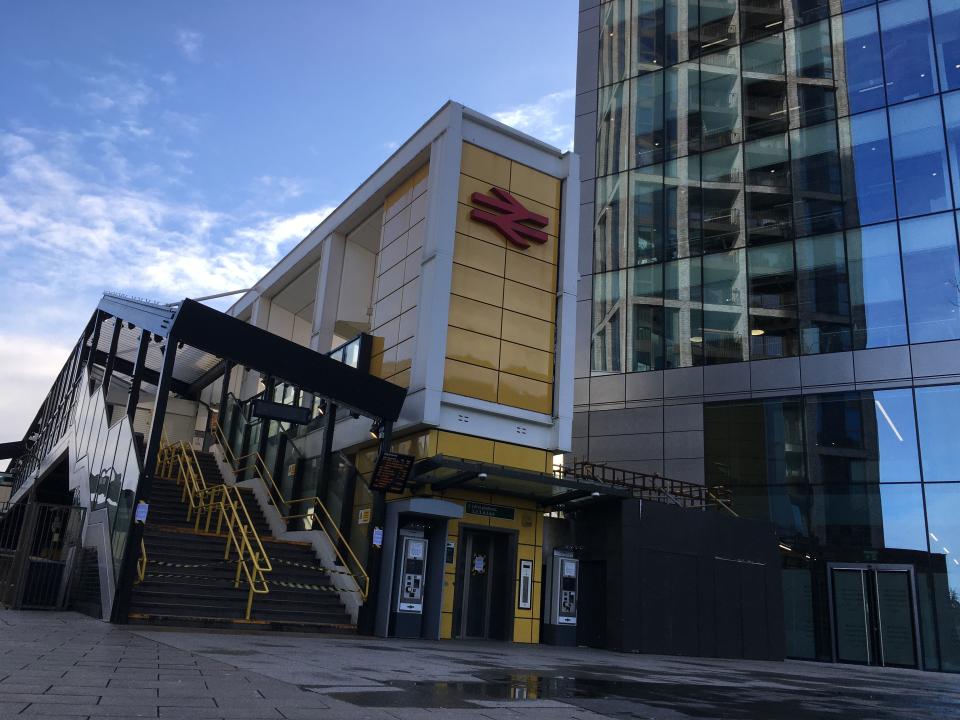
x: 188, y: 583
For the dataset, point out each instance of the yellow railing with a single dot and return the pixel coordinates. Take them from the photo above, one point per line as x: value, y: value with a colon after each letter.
x: 142, y: 563
x: 317, y: 517
x: 222, y: 503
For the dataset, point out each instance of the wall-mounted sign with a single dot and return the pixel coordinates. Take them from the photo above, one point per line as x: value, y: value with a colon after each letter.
x: 526, y: 584
x: 451, y: 552
x: 513, y: 221
x: 363, y: 517
x: 392, y: 472
x: 280, y: 412
x: 494, y: 511
x: 378, y: 537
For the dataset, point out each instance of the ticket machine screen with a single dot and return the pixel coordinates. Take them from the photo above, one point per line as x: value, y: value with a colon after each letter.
x: 412, y: 575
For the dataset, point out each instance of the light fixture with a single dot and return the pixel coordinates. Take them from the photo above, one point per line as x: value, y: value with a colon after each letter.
x: 354, y: 414
x: 757, y: 332
x: 375, y: 429
x: 321, y: 408
x: 481, y: 476
x: 696, y: 339
x: 595, y: 494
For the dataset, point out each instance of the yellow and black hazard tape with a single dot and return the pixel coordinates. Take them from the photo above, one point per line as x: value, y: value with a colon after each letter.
x: 301, y: 586
x: 164, y: 563
x: 318, y: 568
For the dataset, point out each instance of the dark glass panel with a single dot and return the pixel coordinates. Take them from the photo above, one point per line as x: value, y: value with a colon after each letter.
x: 867, y: 169
x: 682, y: 110
x: 908, y: 55
x: 764, y: 87
x: 769, y: 197
x: 932, y: 277
x: 683, y: 310
x: 919, y: 158
x: 812, y: 54
x: 610, y: 229
x: 808, y: 11
x: 721, y: 197
x: 648, y: 203
x: 951, y: 112
x: 724, y: 307
x: 817, y: 104
x: 760, y: 17
x: 682, y: 23
x: 943, y: 523
x: 938, y: 417
x: 718, y: 25
x: 682, y: 211
x: 863, y: 61
x: 613, y: 127
x: 773, y: 301
x: 869, y: 516
x: 720, y: 99
x: 946, y: 28
x: 852, y: 4
x: 614, y: 41
x: 608, y: 321
x: 648, y: 42
x: 648, y: 132
x: 876, y: 287
x: 818, y: 196
x: 645, y: 350
x: 823, y: 294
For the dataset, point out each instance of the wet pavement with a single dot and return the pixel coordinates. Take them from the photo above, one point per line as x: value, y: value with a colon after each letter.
x: 61, y: 665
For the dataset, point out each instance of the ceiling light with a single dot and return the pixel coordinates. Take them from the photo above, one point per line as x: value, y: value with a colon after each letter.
x: 696, y: 339
x: 935, y: 538
x: 375, y: 429
x: 757, y: 332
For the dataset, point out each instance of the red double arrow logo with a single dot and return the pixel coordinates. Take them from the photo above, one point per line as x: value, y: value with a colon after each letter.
x: 511, y: 218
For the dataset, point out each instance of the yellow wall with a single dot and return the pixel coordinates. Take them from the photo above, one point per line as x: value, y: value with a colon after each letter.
x: 500, y: 343
x: 398, y: 279
x: 528, y: 519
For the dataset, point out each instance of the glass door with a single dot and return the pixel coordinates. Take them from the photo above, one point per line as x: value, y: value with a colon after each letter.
x: 477, y: 585
x: 874, y: 615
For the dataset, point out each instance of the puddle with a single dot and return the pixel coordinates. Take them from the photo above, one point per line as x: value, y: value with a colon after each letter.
x: 624, y: 698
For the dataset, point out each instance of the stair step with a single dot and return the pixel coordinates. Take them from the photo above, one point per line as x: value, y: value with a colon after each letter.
x: 238, y: 624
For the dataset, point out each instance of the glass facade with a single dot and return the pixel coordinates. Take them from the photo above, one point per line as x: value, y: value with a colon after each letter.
x: 863, y: 490
x: 774, y: 178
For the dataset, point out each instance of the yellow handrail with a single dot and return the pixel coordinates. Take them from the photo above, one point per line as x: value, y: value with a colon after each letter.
x: 178, y: 462
x: 142, y: 563
x: 259, y: 466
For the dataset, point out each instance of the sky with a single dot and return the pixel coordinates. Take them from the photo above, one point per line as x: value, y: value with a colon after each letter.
x: 179, y: 148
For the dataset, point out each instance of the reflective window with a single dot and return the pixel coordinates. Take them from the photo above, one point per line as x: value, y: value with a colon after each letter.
x: 613, y: 128
x: 769, y: 198
x: 720, y: 99
x: 946, y: 28
x: 718, y: 25
x: 951, y: 112
x: 907, y: 49
x: 682, y: 20
x: 724, y: 307
x: 683, y: 311
x: 759, y: 17
x: 817, y: 193
x: 938, y: 417
x: 919, y: 158
x: 682, y: 112
x: 823, y: 294
x: 645, y: 340
x: 864, y: 65
x: 943, y: 524
x: 773, y: 301
x: 764, y: 88
x: 648, y: 40
x: 867, y: 169
x: 681, y: 207
x: 608, y: 322
x: 648, y: 210
x: 610, y: 230
x: 876, y: 289
x: 648, y: 132
x: 721, y: 198
x: 614, y: 41
x: 869, y: 516
x: 932, y: 277
x: 812, y: 56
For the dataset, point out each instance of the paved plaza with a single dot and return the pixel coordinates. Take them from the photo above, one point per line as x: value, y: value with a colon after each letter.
x: 63, y: 665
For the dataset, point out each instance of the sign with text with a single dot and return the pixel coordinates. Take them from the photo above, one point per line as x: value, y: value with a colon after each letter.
x: 392, y: 472
x: 280, y: 412
x: 494, y: 511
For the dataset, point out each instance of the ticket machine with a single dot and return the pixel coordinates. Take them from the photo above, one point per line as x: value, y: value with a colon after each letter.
x: 409, y: 584
x: 560, y: 624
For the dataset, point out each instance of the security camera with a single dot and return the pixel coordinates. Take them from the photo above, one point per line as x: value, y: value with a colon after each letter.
x: 482, y: 476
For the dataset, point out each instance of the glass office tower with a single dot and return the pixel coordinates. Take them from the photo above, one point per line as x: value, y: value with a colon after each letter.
x: 770, y: 291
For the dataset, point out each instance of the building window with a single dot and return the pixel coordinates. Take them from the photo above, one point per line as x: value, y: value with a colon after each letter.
x: 932, y: 276
x: 876, y: 287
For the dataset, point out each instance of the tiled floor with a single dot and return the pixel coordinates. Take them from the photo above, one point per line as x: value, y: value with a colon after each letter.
x: 62, y: 665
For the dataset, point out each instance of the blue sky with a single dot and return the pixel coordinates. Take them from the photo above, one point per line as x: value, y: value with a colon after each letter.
x: 172, y: 149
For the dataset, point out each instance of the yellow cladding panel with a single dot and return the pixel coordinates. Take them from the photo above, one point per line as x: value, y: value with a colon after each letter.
x: 473, y: 348
x: 517, y: 456
x: 419, y: 180
x: 528, y: 331
x: 531, y: 271
x: 402, y: 379
x: 526, y: 362
x: 469, y: 186
x: 397, y: 199
x: 478, y: 285
x: 546, y: 252
x: 420, y: 445
x: 479, y: 254
x: 527, y: 300
x: 477, y: 230
x: 446, y: 626
x: 525, y: 393
x: 476, y: 316
x: 522, y: 630
x: 535, y: 185
x: 485, y: 165
x: 470, y: 380
x: 449, y: 586
x: 466, y: 447
x: 536, y: 600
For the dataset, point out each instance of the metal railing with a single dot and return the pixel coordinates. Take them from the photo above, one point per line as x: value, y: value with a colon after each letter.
x: 142, y: 563
x: 316, y: 516
x: 224, y: 504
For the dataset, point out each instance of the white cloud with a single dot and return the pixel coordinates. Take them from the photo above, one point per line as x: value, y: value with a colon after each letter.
x: 189, y: 42
x: 29, y: 366
x: 550, y: 118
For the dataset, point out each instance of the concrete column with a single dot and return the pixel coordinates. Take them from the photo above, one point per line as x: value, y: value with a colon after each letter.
x: 327, y: 300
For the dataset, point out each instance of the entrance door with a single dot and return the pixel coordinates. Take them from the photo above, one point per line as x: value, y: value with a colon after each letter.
x: 874, y: 615
x: 485, y: 582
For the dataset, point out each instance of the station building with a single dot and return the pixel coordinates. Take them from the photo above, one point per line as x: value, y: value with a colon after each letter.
x: 768, y: 301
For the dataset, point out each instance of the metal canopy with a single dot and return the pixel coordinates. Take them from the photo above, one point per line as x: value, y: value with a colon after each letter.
x: 209, y: 336
x: 442, y: 472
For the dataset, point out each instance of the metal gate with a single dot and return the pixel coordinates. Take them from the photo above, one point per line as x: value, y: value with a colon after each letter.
x: 39, y: 544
